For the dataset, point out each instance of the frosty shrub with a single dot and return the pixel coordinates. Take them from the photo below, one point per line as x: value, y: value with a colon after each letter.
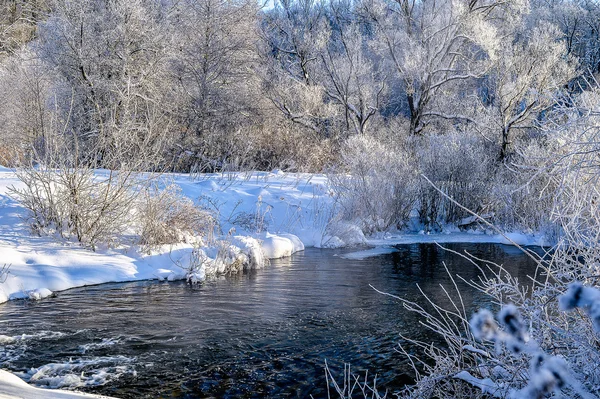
x: 65, y: 194
x: 229, y: 255
x: 547, y: 374
x: 534, y: 348
x: 76, y: 203
x: 378, y: 190
x: 166, y: 216
x: 524, y: 191
x: 459, y: 164
x: 538, y: 347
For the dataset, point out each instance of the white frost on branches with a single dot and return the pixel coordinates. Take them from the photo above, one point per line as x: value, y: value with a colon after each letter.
x: 547, y: 374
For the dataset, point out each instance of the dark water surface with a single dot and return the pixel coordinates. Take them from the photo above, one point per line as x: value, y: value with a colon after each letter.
x: 261, y: 334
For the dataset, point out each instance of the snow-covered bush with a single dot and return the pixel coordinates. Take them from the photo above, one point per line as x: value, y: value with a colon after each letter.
x: 461, y: 165
x: 166, y: 216
x: 547, y: 374
x: 544, y: 348
x: 378, y: 190
x: 76, y: 203
x: 253, y: 222
x: 523, y: 193
x: 535, y: 349
x: 552, y: 351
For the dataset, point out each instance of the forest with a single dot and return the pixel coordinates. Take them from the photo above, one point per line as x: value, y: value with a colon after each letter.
x: 427, y: 116
x: 478, y: 96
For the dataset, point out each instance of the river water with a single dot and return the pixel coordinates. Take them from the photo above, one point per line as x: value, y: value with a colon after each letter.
x: 261, y: 334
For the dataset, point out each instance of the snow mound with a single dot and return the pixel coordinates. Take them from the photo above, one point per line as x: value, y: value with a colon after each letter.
x: 342, y: 234
x: 279, y: 246
x: 39, y: 293
x: 34, y: 295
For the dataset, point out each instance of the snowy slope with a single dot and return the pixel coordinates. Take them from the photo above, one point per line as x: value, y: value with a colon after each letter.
x: 282, y: 203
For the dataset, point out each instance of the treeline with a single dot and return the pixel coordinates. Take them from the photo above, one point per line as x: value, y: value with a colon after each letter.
x: 213, y: 84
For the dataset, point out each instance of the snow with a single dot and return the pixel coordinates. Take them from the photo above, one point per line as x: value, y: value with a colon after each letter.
x: 588, y: 298
x: 12, y: 387
x: 39, y: 266
x: 280, y: 246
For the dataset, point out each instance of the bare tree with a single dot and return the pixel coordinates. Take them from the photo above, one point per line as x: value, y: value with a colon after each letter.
x: 527, y: 75
x: 18, y: 19
x: 213, y: 71
x: 111, y: 57
x: 351, y: 73
x: 432, y: 47
x: 294, y: 32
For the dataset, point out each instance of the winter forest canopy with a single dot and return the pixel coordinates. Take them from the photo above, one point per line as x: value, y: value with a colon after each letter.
x: 214, y: 84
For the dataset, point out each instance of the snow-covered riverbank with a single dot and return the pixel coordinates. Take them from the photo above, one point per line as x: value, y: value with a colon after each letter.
x: 278, y: 212
x: 261, y: 215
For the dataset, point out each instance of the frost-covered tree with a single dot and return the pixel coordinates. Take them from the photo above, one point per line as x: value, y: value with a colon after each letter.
x: 294, y: 32
x: 110, y: 57
x: 431, y: 46
x: 18, y: 19
x: 527, y: 77
x: 351, y: 73
x: 214, y: 80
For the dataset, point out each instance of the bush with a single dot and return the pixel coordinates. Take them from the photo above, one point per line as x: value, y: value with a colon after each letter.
x: 378, y: 190
x: 74, y: 202
x: 547, y: 339
x: 462, y: 166
x: 167, y: 217
x: 523, y: 193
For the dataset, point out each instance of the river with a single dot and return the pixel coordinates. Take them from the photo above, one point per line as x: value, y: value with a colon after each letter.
x: 261, y: 334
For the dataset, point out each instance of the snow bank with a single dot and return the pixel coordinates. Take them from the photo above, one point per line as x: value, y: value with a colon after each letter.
x: 267, y: 216
x: 12, y: 387
x: 280, y: 246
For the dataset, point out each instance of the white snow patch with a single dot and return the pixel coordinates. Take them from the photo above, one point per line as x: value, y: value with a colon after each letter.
x: 473, y: 237
x: 342, y: 234
x: 39, y: 293
x: 279, y: 246
x: 12, y: 387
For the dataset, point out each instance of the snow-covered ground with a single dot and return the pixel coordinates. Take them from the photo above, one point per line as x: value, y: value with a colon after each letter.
x: 250, y: 206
